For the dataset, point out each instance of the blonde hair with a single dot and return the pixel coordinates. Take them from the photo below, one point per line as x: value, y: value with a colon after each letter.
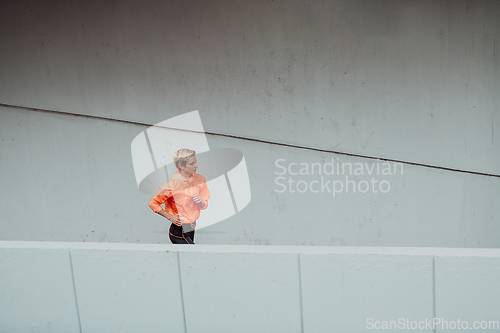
x: 181, y: 156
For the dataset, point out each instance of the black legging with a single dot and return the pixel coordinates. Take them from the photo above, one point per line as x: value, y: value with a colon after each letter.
x: 177, y: 234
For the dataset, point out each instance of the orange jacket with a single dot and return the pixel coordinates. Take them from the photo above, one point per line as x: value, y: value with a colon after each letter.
x: 177, y: 196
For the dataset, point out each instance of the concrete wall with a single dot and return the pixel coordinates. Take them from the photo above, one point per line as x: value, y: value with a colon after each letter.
x: 410, y: 81
x: 95, y: 287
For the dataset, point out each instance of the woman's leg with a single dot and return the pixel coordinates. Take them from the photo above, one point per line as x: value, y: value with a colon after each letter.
x: 178, y: 236
x: 189, y: 237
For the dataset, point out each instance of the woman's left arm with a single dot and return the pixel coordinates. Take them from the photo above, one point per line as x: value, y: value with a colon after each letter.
x: 203, y: 196
x: 199, y: 201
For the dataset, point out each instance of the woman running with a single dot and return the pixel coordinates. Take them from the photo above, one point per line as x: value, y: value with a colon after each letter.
x: 184, y: 196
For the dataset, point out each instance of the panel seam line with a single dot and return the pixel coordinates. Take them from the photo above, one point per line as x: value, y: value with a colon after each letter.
x: 255, y: 140
x: 182, y: 294
x: 74, y: 288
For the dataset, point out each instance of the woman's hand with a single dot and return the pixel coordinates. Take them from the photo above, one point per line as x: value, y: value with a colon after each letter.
x: 177, y: 219
x: 197, y: 199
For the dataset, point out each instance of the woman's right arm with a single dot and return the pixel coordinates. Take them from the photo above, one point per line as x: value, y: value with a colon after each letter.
x: 160, y: 197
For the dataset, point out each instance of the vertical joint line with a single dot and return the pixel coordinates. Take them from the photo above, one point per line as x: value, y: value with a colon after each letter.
x: 434, y: 290
x: 74, y: 288
x: 300, y: 295
x: 182, y: 294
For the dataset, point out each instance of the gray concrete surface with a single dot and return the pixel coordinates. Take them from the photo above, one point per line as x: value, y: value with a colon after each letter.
x: 412, y: 81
